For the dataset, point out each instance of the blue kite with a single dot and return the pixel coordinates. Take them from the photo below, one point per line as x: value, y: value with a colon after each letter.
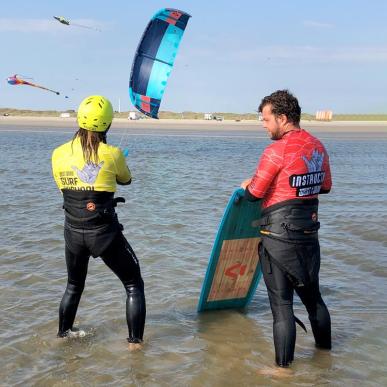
x: 154, y: 59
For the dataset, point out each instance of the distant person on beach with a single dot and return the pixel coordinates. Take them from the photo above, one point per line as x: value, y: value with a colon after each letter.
x: 87, y: 171
x: 290, y: 174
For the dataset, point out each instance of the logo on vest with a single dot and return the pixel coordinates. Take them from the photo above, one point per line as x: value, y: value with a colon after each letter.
x: 90, y: 206
x: 309, y: 183
x: 89, y: 173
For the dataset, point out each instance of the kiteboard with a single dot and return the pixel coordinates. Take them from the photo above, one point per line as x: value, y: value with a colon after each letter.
x: 234, y: 270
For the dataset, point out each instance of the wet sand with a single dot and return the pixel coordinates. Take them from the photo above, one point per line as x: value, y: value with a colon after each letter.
x: 359, y: 129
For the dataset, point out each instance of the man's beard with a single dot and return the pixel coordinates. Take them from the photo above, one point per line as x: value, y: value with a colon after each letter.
x: 276, y: 136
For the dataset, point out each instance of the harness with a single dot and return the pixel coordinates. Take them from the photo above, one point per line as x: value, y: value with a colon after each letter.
x: 293, y: 220
x: 89, y: 209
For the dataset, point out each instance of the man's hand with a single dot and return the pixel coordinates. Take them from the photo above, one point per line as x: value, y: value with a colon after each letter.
x: 245, y: 183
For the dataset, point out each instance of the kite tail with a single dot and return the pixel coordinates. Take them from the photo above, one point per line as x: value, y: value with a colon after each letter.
x: 88, y: 27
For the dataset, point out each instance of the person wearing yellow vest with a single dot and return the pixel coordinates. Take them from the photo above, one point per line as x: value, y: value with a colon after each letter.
x: 87, y: 171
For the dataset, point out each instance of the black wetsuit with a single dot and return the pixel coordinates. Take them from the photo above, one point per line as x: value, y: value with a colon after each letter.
x: 290, y: 257
x: 99, y: 234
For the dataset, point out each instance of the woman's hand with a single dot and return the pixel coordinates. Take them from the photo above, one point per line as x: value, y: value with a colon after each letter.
x: 245, y: 183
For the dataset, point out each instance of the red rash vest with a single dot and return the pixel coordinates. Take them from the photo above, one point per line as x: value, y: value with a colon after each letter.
x: 294, y: 167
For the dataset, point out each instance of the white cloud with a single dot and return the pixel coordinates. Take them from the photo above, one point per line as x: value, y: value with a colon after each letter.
x: 43, y: 25
x: 296, y: 54
x: 27, y: 25
x: 317, y: 24
x: 359, y: 54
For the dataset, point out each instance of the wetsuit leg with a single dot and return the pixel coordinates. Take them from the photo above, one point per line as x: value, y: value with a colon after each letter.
x: 121, y: 259
x: 76, y: 275
x: 319, y: 317
x: 280, y: 291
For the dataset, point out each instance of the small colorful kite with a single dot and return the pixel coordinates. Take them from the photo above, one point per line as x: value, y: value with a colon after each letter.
x: 66, y: 22
x: 16, y: 80
x: 62, y: 20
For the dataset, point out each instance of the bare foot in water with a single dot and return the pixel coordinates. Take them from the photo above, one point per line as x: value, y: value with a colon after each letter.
x: 279, y: 372
x: 134, y: 346
x: 74, y: 333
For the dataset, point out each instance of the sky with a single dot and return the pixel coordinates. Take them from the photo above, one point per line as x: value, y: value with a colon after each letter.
x: 332, y: 55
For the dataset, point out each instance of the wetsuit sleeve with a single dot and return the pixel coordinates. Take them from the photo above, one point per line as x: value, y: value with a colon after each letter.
x: 268, y: 167
x: 327, y: 183
x: 55, y: 172
x: 124, y: 176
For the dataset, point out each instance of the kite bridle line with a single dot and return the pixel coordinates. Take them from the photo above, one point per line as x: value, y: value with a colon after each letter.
x: 125, y: 150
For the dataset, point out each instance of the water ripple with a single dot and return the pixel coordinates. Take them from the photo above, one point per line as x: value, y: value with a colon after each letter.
x: 173, y: 208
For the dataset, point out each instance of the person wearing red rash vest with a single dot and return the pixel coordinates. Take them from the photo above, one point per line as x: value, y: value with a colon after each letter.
x: 290, y: 175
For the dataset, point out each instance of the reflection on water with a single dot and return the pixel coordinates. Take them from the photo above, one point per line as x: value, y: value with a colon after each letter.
x: 181, y: 185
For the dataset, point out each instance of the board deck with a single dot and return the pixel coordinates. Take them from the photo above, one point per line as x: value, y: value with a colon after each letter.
x: 233, y: 271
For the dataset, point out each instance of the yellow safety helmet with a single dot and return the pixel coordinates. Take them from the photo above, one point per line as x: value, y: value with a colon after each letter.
x: 95, y: 113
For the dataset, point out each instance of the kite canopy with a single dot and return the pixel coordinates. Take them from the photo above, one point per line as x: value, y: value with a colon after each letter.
x: 154, y: 59
x: 13, y: 80
x: 62, y: 20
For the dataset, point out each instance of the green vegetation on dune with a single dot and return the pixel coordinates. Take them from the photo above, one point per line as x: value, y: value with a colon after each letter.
x: 360, y: 117
x: 191, y: 115
x: 195, y: 115
x: 29, y: 113
x: 200, y: 116
x: 349, y: 117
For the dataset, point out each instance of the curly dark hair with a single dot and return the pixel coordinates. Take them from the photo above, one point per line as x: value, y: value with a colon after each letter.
x: 283, y: 102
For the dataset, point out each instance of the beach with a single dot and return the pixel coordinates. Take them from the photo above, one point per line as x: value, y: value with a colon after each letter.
x: 13, y: 123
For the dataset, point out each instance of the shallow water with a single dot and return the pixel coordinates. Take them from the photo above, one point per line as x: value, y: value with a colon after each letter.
x: 181, y: 186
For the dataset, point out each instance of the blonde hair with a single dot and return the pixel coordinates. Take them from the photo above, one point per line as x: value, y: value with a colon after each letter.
x: 90, y: 143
